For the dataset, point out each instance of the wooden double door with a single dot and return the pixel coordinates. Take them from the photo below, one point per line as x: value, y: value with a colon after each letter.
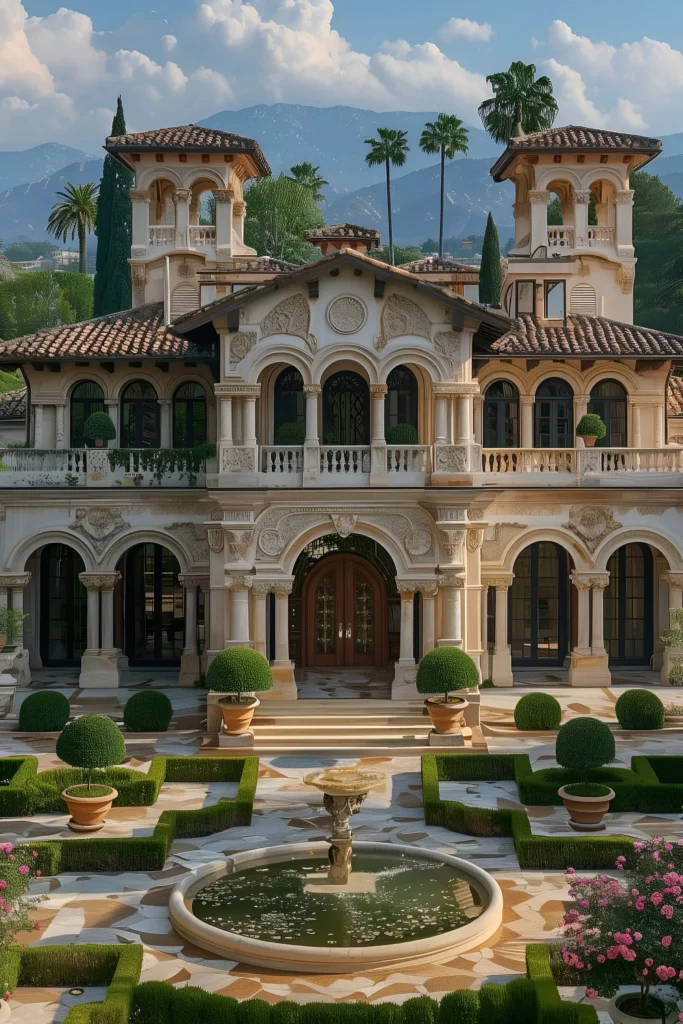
x: 344, y: 613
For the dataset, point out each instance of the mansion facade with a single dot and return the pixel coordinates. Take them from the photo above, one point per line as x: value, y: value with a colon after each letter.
x: 304, y: 528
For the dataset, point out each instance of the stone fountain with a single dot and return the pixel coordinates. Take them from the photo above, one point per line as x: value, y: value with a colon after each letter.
x: 344, y: 790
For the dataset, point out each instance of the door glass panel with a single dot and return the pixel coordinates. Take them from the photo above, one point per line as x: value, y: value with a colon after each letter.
x: 548, y: 603
x: 554, y: 300
x: 155, y: 618
x: 608, y: 401
x: 628, y: 606
x: 554, y: 415
x: 520, y: 599
x: 325, y: 614
x: 63, y: 606
x: 346, y: 409
x: 364, y: 615
x: 538, y: 609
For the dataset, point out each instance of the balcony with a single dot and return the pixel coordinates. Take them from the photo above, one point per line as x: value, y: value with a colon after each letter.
x: 91, y: 467
x: 582, y: 467
x: 561, y: 240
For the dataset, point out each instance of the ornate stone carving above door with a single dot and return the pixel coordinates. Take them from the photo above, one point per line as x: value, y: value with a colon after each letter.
x: 240, y: 346
x: 592, y: 523
x: 291, y: 316
x: 98, y: 525
x: 402, y: 316
x: 344, y: 525
x: 447, y: 344
x: 193, y: 537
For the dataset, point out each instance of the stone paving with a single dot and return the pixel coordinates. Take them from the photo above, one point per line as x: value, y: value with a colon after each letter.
x: 133, y: 906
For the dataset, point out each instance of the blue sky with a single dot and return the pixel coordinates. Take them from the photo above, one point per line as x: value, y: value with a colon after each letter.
x: 61, y: 67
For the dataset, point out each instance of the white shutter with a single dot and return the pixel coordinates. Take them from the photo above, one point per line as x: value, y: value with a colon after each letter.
x: 184, y: 299
x: 582, y: 299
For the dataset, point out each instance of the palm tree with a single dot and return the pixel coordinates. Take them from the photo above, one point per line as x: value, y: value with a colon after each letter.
x: 446, y: 136
x: 306, y: 174
x: 390, y: 148
x: 75, y: 215
x: 521, y: 103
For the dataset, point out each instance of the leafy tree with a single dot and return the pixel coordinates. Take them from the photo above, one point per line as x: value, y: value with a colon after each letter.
x: 391, y: 147
x: 43, y: 298
x: 446, y: 136
x: 279, y: 213
x: 20, y: 252
x: 401, y: 255
x: 520, y: 103
x: 75, y: 215
x: 113, y: 227
x: 658, y: 241
x: 430, y: 245
x: 306, y: 174
x: 490, y: 274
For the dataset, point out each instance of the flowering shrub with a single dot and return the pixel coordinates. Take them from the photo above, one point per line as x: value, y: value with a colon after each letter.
x: 16, y: 872
x: 620, y: 931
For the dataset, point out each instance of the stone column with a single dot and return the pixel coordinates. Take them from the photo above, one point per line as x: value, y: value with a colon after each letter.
x: 623, y: 209
x: 428, y: 589
x: 659, y: 426
x: 464, y: 433
x: 14, y: 584
x: 582, y: 198
x: 225, y: 404
x: 239, y: 587
x: 224, y: 199
x: 403, y: 686
x: 259, y: 591
x: 501, y: 668
x: 112, y: 407
x: 59, y: 426
x: 636, y: 438
x: 139, y: 197
x: 165, y: 437
x: 599, y: 584
x: 451, y: 584
x: 37, y: 425
x: 672, y: 654
x: 217, y: 591
x: 440, y: 419
x: 102, y: 664
x: 587, y: 666
x: 474, y: 537
x: 539, y: 198
x: 239, y: 213
x: 379, y: 476
x: 181, y: 200
x: 283, y: 671
x: 527, y: 403
x: 312, y: 442
x: 478, y: 406
x: 249, y: 421
x: 190, y: 667
x: 484, y: 618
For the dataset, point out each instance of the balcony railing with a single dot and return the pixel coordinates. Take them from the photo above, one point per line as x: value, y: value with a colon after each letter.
x: 561, y: 238
x: 559, y: 465
x: 528, y: 460
x: 202, y: 235
x: 89, y: 467
x: 287, y: 460
x: 600, y: 237
x: 346, y: 461
x: 162, y: 235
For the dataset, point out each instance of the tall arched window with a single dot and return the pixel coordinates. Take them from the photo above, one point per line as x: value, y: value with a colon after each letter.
x: 288, y: 406
x: 86, y: 398
x: 501, y: 415
x: 400, y: 405
x: 189, y: 416
x: 608, y: 400
x: 346, y: 409
x: 554, y: 414
x: 139, y: 416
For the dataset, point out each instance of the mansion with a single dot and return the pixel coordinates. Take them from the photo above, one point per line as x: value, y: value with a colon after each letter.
x: 306, y: 529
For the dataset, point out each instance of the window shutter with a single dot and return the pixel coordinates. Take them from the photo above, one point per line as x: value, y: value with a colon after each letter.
x: 582, y: 299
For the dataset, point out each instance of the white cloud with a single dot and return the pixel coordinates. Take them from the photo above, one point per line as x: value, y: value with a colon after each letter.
x: 570, y: 91
x: 597, y: 58
x: 169, y: 43
x: 463, y: 28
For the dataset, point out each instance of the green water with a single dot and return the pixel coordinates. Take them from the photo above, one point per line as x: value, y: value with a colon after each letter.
x: 413, y: 898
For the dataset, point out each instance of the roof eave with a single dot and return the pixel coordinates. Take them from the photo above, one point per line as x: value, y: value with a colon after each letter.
x: 250, y: 151
x: 507, y: 158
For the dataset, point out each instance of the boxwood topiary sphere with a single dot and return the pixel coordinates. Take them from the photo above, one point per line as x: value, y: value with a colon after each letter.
x: 239, y: 670
x: 99, y: 427
x: 538, y: 711
x: 591, y: 425
x: 640, y: 709
x: 445, y: 669
x: 148, y: 711
x: 44, y: 712
x: 293, y: 433
x: 401, y: 433
x: 583, y: 744
x: 91, y: 741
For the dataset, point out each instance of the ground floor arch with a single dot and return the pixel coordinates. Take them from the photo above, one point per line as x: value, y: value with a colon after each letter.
x: 539, y: 606
x: 62, y: 608
x: 149, y: 606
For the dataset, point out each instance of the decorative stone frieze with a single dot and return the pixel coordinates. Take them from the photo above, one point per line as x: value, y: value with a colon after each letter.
x: 14, y: 580
x: 590, y: 580
x: 378, y: 390
x: 452, y: 541
x: 291, y: 316
x: 241, y: 345
x: 238, y: 460
x: 452, y: 579
x: 104, y: 581
x: 241, y: 582
x: 238, y: 542
x: 190, y: 580
x: 346, y: 314
x: 450, y: 458
x: 216, y: 539
x: 498, y: 582
x: 591, y: 523
x: 447, y: 344
x: 538, y: 195
x: 193, y: 537
x: 401, y: 316
x: 98, y: 525
x: 496, y: 539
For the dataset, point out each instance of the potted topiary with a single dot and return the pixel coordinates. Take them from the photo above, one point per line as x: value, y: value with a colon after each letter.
x: 440, y: 671
x: 639, y: 709
x: 237, y: 671
x: 582, y: 745
x: 293, y: 434
x: 538, y: 711
x: 401, y: 433
x: 591, y: 428
x: 91, y: 741
x: 99, y: 428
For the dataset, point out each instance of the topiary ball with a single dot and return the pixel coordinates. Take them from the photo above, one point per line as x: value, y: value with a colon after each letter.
x: 293, y: 433
x: 148, y: 711
x: 99, y: 427
x: 583, y: 744
x: 445, y: 669
x: 591, y: 425
x: 676, y: 673
x: 44, y: 712
x: 640, y: 709
x: 91, y: 741
x: 537, y: 711
x: 401, y: 433
x: 239, y: 670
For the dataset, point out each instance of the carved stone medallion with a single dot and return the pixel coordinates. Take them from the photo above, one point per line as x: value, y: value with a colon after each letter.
x: 344, y: 525
x: 98, y: 525
x: 592, y: 523
x: 240, y: 346
x: 401, y: 316
x: 291, y: 316
x: 346, y: 314
x: 418, y: 542
x: 447, y: 344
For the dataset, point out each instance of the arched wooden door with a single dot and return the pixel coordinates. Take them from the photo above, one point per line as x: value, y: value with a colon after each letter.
x: 344, y: 614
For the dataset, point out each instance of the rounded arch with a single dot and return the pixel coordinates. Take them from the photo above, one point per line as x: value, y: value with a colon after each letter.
x: 16, y: 560
x: 85, y: 398
x: 147, y: 177
x: 571, y: 544
x: 365, y: 528
x: 554, y: 175
x: 661, y: 542
x: 413, y: 358
x: 543, y: 374
x: 501, y: 371
x: 622, y: 374
x: 603, y: 172
x: 131, y: 377
x: 279, y: 356
x: 113, y: 554
x: 90, y: 374
x: 210, y: 175
x: 350, y: 358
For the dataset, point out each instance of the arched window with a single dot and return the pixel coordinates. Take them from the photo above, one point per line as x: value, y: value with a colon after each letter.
x: 554, y: 414
x: 608, y: 400
x: 346, y: 409
x: 400, y: 405
x: 501, y: 415
x: 139, y: 416
x: 288, y: 406
x: 628, y: 606
x: 189, y: 416
x: 86, y: 398
x: 538, y: 606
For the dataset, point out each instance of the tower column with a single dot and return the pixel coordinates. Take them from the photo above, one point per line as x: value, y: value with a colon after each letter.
x: 224, y: 199
x: 539, y: 198
x: 527, y: 403
x: 582, y: 198
x: 181, y: 200
x: 139, y: 198
x: 623, y: 208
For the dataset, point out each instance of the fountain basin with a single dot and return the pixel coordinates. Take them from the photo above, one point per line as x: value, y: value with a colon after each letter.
x: 298, y: 957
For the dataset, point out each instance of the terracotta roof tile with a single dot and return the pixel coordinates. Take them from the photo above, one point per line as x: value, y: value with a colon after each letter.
x: 13, y: 405
x: 585, y: 336
x: 257, y: 265
x: 343, y: 231
x: 134, y: 332
x: 439, y: 265
x: 575, y: 136
x: 674, y: 396
x: 189, y: 137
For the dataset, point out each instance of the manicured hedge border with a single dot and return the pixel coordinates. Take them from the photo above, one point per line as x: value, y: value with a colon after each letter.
x: 149, y: 853
x: 540, y: 969
x: 33, y: 792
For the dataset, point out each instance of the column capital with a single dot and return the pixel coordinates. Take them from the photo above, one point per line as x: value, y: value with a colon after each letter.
x: 237, y: 390
x: 139, y: 195
x: 224, y: 195
x: 190, y: 580
x: 428, y: 588
x: 111, y: 401
x: 582, y: 196
x: 600, y: 581
x: 590, y: 580
x: 164, y: 401
x: 624, y: 197
x: 312, y: 389
x: 455, y: 580
x: 501, y: 582
x: 12, y: 580
x: 379, y: 390
x: 406, y: 588
x: 239, y: 582
x: 281, y: 585
x: 538, y: 195
x: 527, y: 399
x: 181, y: 195
x: 105, y: 581
x: 674, y: 579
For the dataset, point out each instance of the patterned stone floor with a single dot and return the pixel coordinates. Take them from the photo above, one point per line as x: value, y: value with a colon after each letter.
x: 133, y: 906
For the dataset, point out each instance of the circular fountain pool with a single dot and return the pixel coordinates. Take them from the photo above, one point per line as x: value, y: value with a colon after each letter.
x: 276, y: 908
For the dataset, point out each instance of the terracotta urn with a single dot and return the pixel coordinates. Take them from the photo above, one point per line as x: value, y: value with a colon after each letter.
x: 589, y: 440
x: 446, y: 717
x: 620, y: 1016
x: 586, y: 812
x: 88, y: 813
x: 237, y: 715
x: 99, y: 443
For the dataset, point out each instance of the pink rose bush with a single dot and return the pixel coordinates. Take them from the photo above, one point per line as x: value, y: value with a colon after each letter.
x: 629, y: 929
x: 17, y: 869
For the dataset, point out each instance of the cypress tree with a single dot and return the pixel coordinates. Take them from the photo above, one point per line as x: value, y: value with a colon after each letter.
x: 490, y: 274
x: 113, y: 228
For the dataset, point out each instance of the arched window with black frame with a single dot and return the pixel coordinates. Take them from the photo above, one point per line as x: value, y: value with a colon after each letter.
x: 346, y: 409
x: 288, y: 399
x: 189, y: 416
x: 554, y: 414
x: 501, y: 415
x: 87, y: 397
x: 608, y: 401
x: 400, y: 404
x: 140, y: 416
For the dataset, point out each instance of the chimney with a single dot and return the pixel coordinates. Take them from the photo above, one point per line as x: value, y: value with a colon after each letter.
x: 336, y: 237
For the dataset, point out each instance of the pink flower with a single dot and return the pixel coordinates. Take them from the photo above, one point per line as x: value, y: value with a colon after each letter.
x: 666, y: 941
x: 11, y: 856
x: 23, y: 870
x: 656, y: 898
x: 38, y: 926
x: 601, y: 958
x: 3, y: 884
x: 637, y: 936
x: 667, y: 911
x: 591, y: 993
x: 662, y: 973
x: 584, y: 903
x: 7, y: 908
x: 38, y: 874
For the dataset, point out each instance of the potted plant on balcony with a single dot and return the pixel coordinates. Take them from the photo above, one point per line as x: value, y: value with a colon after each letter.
x: 238, y: 671
x: 441, y: 671
x: 582, y: 745
x: 293, y: 434
x: 99, y: 428
x: 591, y: 428
x: 90, y: 742
x: 401, y: 433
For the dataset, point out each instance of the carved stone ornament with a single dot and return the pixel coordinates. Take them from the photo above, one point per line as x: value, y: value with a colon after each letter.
x: 185, y: 269
x: 238, y: 542
x: 193, y: 537
x: 674, y: 579
x: 98, y: 525
x: 449, y: 458
x: 626, y: 275
x: 452, y: 542
x: 346, y: 314
x: 215, y: 538
x: 498, y: 582
x: 401, y: 316
x: 407, y: 588
x: 428, y: 588
x: 239, y: 582
x: 591, y: 523
x: 291, y: 316
x: 261, y: 588
x: 497, y: 538
x: 454, y: 580
x: 590, y: 581
x: 14, y: 581
x: 447, y: 344
x: 237, y: 460
x: 191, y: 582
x: 105, y: 581
x: 344, y: 525
x: 418, y: 543
x: 474, y: 539
x: 584, y: 269
x: 139, y: 274
x: 241, y: 345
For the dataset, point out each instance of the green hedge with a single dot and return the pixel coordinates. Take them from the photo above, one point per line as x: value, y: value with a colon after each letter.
x: 149, y: 853
x: 33, y: 792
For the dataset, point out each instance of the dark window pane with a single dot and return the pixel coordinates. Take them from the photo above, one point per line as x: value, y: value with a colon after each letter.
x: 289, y: 398
x: 189, y: 416
x: 501, y: 415
x: 139, y: 416
x: 63, y: 606
x: 400, y: 404
x: 554, y: 300
x: 86, y: 398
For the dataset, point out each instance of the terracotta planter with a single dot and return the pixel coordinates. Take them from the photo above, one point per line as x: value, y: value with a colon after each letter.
x: 619, y: 1017
x: 237, y: 715
x: 586, y: 812
x: 3, y: 641
x: 88, y: 813
x: 446, y: 718
x: 99, y: 443
x: 589, y: 440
